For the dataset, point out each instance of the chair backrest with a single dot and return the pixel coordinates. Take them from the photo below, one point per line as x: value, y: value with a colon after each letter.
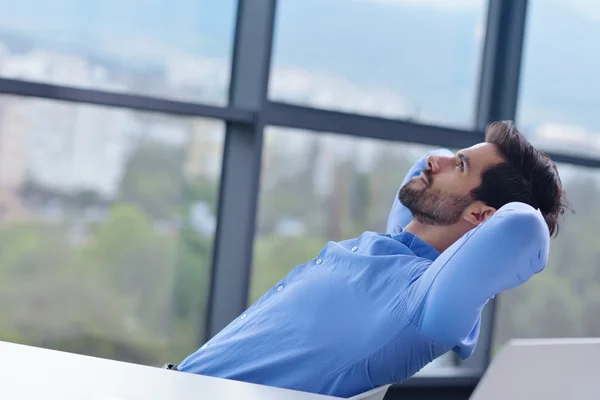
x: 375, y: 394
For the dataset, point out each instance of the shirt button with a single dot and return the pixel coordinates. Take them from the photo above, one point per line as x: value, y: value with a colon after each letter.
x: 204, y: 347
x: 280, y: 288
x: 319, y: 261
x: 244, y: 316
x: 354, y: 248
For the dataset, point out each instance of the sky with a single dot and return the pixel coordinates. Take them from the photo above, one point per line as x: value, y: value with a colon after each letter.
x: 191, y: 25
x: 407, y: 58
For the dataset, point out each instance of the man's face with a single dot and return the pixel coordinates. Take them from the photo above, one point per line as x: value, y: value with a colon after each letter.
x: 443, y: 191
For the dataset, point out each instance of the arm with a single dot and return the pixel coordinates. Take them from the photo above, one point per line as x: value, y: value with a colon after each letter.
x: 400, y: 216
x: 498, y: 255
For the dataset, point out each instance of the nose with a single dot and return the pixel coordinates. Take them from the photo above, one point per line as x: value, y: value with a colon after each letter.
x: 437, y: 163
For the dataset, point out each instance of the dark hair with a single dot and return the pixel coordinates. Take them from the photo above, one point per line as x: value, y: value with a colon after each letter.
x: 527, y: 175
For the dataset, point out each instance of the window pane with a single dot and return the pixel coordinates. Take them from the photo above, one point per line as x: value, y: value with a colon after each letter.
x: 562, y: 301
x: 180, y: 50
x: 406, y: 58
x: 107, y: 221
x: 559, y: 102
x: 318, y: 187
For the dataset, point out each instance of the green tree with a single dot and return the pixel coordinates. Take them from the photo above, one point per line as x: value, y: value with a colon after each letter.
x: 50, y: 298
x: 34, y: 265
x: 153, y: 179
x: 545, y: 306
x: 192, y: 272
x: 138, y: 264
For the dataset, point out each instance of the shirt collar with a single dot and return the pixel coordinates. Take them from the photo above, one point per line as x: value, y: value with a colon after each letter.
x: 416, y: 244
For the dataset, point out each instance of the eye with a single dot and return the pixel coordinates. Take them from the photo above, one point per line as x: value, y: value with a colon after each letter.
x: 461, y: 165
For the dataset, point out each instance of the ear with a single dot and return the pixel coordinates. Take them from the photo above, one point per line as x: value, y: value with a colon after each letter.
x: 478, y: 212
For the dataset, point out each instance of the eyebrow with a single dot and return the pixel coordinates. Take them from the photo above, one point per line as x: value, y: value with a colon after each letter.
x: 466, y: 159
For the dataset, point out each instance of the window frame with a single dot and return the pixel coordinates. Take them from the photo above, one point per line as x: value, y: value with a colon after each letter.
x: 249, y: 111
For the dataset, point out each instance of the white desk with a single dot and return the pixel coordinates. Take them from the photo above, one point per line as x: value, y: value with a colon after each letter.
x: 33, y: 373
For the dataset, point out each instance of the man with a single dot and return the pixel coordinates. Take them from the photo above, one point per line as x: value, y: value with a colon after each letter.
x: 376, y: 309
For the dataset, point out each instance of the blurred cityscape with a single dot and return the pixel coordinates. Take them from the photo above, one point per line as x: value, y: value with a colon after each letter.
x: 107, y: 215
x: 74, y: 147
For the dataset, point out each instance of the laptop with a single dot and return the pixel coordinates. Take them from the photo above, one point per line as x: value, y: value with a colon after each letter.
x: 545, y: 369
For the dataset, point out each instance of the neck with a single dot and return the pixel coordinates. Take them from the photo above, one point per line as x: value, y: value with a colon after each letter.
x: 439, y: 237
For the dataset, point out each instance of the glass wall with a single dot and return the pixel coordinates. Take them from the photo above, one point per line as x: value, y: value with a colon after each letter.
x: 180, y: 50
x: 558, y: 105
x: 416, y: 60
x: 108, y: 215
x: 107, y: 219
x: 560, y: 92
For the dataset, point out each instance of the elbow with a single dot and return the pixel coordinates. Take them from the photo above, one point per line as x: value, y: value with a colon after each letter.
x: 447, y: 329
x: 526, y: 228
x: 518, y: 216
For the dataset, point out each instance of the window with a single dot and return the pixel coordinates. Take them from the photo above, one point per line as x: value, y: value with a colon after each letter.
x: 107, y: 218
x: 562, y: 301
x: 559, y: 101
x: 180, y: 50
x: 318, y: 187
x: 407, y: 59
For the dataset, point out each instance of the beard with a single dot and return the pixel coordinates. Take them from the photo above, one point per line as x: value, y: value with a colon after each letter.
x: 432, y: 206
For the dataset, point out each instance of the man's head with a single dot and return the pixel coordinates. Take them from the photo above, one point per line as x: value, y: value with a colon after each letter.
x: 468, y: 188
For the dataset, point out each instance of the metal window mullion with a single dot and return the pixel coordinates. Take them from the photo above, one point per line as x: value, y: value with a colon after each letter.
x: 367, y: 126
x: 122, y: 100
x: 497, y: 100
x: 501, y: 63
x: 238, y: 196
x: 319, y: 120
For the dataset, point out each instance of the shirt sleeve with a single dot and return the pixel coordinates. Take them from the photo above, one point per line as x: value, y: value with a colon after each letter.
x: 400, y: 216
x: 500, y: 254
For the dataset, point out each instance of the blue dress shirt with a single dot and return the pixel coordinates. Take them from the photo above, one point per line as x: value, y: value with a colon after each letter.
x: 376, y: 309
